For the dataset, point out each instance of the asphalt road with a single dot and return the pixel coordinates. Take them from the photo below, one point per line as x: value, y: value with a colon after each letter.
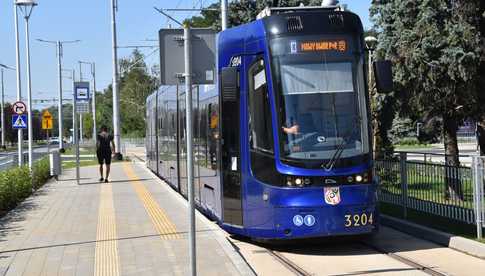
x: 8, y: 159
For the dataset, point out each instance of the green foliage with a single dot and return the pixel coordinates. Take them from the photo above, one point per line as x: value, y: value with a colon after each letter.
x: 402, y: 128
x: 241, y: 12
x: 436, y: 50
x: 40, y: 173
x: 136, y: 83
x: 16, y: 183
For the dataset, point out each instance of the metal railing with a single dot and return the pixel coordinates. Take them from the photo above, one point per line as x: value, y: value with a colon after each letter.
x: 437, y: 188
x: 10, y: 160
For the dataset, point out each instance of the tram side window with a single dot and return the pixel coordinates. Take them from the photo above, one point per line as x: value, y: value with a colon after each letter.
x: 260, y: 137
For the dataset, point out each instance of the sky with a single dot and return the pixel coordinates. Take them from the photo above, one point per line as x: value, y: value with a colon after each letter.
x: 90, y: 22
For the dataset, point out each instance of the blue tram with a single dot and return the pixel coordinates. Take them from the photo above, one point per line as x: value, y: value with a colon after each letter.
x: 282, y: 144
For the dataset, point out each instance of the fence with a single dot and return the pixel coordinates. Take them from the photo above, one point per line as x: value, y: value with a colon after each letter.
x: 10, y: 160
x: 453, y: 192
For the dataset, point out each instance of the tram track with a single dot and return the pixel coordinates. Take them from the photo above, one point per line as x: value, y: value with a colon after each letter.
x: 404, y: 260
x: 292, y: 266
x: 297, y: 269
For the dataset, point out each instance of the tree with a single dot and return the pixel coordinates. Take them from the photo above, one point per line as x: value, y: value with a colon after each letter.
x: 436, y: 54
x: 135, y: 84
x: 241, y: 12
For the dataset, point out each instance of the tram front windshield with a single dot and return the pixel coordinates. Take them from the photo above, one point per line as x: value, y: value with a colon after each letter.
x: 321, y: 106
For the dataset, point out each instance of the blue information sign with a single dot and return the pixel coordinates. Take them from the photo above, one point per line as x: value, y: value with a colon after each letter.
x: 81, y: 91
x: 19, y: 121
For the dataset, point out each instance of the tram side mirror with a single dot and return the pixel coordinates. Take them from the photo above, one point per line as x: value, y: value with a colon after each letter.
x: 383, y: 76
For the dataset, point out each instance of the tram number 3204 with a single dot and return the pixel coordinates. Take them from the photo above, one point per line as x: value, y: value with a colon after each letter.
x: 358, y: 220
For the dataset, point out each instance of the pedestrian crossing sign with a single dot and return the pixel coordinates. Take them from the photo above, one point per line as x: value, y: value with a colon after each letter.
x: 19, y: 121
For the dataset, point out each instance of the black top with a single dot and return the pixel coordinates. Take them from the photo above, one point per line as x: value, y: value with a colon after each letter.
x: 104, y: 142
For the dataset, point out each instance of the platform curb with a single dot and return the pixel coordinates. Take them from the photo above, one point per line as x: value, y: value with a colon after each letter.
x: 467, y: 246
x: 239, y: 262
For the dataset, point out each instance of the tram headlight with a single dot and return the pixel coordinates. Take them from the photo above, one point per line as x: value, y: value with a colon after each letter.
x: 300, y: 182
x: 359, y: 178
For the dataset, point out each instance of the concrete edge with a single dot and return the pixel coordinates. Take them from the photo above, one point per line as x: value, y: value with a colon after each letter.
x: 236, y: 258
x: 464, y: 245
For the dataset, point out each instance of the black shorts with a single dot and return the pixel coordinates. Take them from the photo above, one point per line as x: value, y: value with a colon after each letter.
x: 104, y: 157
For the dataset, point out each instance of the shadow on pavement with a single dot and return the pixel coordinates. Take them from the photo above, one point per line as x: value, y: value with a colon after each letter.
x: 115, y: 181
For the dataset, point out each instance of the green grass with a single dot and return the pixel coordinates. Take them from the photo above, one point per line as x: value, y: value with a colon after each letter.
x: 413, y: 146
x: 72, y: 151
x: 83, y: 163
x: 426, y: 182
x: 437, y: 222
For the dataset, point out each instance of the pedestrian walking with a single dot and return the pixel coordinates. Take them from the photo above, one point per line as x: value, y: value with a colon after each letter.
x: 105, y: 147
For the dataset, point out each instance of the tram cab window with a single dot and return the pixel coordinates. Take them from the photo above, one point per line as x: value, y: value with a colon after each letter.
x: 260, y: 128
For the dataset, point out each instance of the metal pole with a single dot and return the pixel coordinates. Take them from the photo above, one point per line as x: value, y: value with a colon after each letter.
x: 116, y: 115
x: 59, y: 107
x: 190, y: 169
x: 81, y: 139
x: 74, y: 127
x: 29, y: 90
x: 224, y: 14
x: 80, y: 114
x: 93, y: 68
x: 20, y: 136
x: 3, y: 112
x: 477, y: 166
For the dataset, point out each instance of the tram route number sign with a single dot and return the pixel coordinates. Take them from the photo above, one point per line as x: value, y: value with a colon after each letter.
x: 46, y: 120
x: 202, y: 57
x: 19, y: 108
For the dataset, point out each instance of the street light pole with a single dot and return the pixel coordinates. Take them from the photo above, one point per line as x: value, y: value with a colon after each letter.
x: 29, y: 91
x: 59, y: 49
x: 371, y: 43
x: 116, y: 102
x: 20, y: 135
x: 3, y: 112
x: 81, y: 139
x: 2, y: 105
x: 93, y: 97
x: 27, y: 7
x: 224, y: 14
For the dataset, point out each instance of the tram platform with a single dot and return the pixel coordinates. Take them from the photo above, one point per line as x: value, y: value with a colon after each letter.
x: 134, y: 225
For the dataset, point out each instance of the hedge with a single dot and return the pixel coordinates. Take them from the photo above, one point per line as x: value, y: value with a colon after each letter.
x: 16, y: 184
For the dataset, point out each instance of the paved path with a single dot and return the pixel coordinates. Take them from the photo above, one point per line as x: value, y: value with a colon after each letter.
x: 134, y: 225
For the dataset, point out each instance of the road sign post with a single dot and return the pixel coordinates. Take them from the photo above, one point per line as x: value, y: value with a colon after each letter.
x: 80, y: 106
x: 197, y: 69
x: 47, y: 125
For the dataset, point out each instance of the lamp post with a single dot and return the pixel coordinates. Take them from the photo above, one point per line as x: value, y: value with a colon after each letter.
x: 27, y: 6
x: 20, y: 135
x: 59, y: 46
x: 93, y: 97
x: 2, y: 105
x: 371, y: 43
x: 116, y: 101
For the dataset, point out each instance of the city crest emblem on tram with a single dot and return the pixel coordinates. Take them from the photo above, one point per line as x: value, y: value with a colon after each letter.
x: 332, y: 195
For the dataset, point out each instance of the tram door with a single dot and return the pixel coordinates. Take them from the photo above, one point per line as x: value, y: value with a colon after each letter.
x: 230, y: 148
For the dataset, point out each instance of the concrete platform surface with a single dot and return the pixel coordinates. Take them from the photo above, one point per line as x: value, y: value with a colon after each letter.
x: 133, y: 225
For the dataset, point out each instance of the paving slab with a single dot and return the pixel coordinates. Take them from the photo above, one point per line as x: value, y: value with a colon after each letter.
x: 134, y: 225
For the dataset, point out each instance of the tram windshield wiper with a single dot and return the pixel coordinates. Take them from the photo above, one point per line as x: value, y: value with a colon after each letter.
x: 340, y: 148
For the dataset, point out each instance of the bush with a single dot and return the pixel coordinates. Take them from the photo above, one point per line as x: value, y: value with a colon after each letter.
x: 16, y: 183
x: 40, y: 173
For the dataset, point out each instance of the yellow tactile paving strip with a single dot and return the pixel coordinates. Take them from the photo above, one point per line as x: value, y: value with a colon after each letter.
x: 160, y: 220
x: 106, y: 254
